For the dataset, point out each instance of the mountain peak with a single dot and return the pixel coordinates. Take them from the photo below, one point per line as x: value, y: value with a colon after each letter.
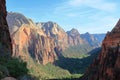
x: 73, y: 29
x: 50, y: 24
x: 116, y: 29
x: 107, y: 65
x: 87, y: 33
x: 73, y: 32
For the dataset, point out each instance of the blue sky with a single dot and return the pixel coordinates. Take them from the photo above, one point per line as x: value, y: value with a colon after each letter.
x: 94, y: 16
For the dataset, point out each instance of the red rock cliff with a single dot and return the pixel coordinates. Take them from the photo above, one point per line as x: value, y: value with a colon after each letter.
x: 29, y: 41
x: 107, y: 65
x: 5, y: 41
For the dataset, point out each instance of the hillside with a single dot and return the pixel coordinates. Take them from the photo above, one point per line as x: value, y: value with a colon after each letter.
x: 106, y: 66
x: 46, y: 42
x: 99, y: 37
x: 44, y: 51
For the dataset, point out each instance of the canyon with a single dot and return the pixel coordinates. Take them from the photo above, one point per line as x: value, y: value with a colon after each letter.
x: 107, y: 65
x: 44, y: 42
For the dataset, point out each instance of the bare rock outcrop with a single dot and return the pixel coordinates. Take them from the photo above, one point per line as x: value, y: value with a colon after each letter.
x: 16, y: 20
x: 54, y: 31
x: 107, y: 65
x: 29, y: 41
x: 91, y: 40
x: 5, y: 40
x: 43, y: 42
x: 74, y: 38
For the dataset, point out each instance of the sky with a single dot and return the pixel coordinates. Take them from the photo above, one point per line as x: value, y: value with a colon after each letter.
x: 93, y: 16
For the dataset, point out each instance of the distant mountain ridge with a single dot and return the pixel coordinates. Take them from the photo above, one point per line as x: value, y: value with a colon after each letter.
x: 99, y: 37
x: 44, y: 41
x: 107, y: 65
x: 74, y: 37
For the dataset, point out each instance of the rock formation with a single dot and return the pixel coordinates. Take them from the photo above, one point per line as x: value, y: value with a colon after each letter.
x: 107, y: 65
x: 99, y: 37
x: 43, y: 42
x: 16, y: 20
x: 5, y: 41
x: 74, y: 38
x: 29, y: 40
x: 91, y: 40
x: 54, y: 31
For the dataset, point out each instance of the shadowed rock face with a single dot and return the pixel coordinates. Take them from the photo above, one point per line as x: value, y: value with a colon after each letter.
x: 29, y: 41
x: 15, y: 21
x: 43, y: 42
x: 5, y: 41
x: 91, y: 40
x: 107, y: 65
x: 55, y: 31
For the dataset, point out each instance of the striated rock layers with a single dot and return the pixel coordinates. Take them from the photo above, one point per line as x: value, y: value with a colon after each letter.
x: 107, y: 65
x: 54, y: 31
x: 5, y: 41
x: 43, y: 42
x: 29, y: 40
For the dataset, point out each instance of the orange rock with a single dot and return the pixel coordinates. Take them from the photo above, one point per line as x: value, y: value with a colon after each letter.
x: 107, y: 65
x: 29, y: 41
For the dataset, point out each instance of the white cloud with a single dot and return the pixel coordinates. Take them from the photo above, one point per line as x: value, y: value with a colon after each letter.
x: 97, y: 4
x: 109, y: 21
x: 98, y: 25
x: 75, y: 2
x: 80, y: 6
x: 96, y: 16
x: 72, y: 15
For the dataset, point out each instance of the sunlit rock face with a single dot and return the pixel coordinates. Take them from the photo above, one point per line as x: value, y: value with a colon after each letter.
x: 5, y: 41
x: 44, y: 42
x: 74, y: 38
x: 54, y: 31
x: 30, y: 41
x: 16, y: 20
x: 107, y: 65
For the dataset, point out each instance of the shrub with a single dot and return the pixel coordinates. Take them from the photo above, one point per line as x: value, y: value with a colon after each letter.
x: 16, y: 67
x: 13, y: 67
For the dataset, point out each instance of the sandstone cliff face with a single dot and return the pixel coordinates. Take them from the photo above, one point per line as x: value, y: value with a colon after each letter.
x: 43, y: 42
x: 74, y: 38
x: 54, y: 31
x: 5, y: 41
x: 16, y: 20
x: 29, y: 40
x: 107, y: 65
